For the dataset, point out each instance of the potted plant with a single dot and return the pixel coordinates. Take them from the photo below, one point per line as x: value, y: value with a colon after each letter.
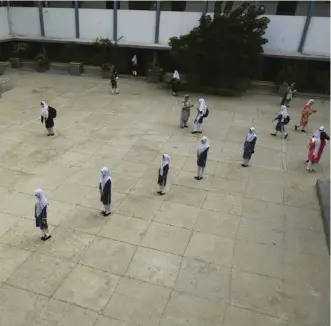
x: 3, y: 67
x: 16, y: 53
x: 42, y: 62
x: 104, y: 49
x: 155, y: 73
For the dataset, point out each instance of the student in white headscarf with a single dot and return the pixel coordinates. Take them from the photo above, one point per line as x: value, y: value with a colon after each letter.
x: 163, y: 173
x: 47, y: 115
x: 198, y: 121
x: 283, y: 119
x: 134, y: 64
x: 105, y: 191
x: 41, y: 214
x: 317, y: 133
x: 249, y: 146
x: 175, y: 82
x: 202, y: 153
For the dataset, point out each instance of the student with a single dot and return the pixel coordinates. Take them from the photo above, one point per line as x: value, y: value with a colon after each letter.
x: 134, y: 63
x: 198, y: 121
x: 316, y: 148
x: 185, y: 114
x: 249, y: 146
x: 175, y: 82
x: 163, y: 173
x: 283, y: 119
x: 105, y: 190
x: 287, y: 98
x: 317, y: 133
x: 41, y: 214
x: 113, y: 81
x: 47, y: 115
x: 305, y: 114
x: 202, y: 157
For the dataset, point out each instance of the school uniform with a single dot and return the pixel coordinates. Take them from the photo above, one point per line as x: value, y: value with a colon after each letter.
x: 175, y: 82
x: 113, y: 82
x: 163, y: 173
x: 280, y: 126
x: 202, y: 154
x: 249, y: 147
x: 198, y: 121
x: 185, y: 113
x: 105, y: 186
x: 134, y: 63
x: 47, y: 115
x: 41, y: 214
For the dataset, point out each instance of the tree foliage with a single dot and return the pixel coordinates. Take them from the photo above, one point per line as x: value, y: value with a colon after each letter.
x: 224, y: 48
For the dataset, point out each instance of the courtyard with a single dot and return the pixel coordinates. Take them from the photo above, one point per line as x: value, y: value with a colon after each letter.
x: 242, y: 247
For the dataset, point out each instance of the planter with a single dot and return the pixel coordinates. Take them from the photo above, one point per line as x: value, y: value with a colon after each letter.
x: 76, y: 68
x: 42, y: 65
x: 155, y: 76
x: 3, y: 67
x: 16, y: 63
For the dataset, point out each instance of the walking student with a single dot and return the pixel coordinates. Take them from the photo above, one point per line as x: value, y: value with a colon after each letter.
x: 175, y: 82
x: 113, y: 81
x: 105, y: 191
x: 305, y: 114
x: 287, y: 98
x: 202, y: 113
x: 316, y: 148
x: 249, y: 146
x: 48, y: 114
x: 163, y: 173
x: 186, y: 111
x: 41, y: 214
x: 282, y: 119
x: 202, y: 154
x: 134, y: 64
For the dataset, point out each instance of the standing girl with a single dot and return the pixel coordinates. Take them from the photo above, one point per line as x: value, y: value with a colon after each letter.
x: 163, y: 173
x: 47, y: 115
x: 175, y: 82
x: 202, y: 157
x: 105, y: 190
x: 249, y: 146
x: 134, y: 63
x: 198, y: 121
x: 41, y: 214
x: 113, y: 81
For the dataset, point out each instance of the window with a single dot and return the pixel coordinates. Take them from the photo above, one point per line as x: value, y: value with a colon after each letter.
x: 142, y: 5
x: 286, y: 8
x: 173, y: 5
x: 23, y: 3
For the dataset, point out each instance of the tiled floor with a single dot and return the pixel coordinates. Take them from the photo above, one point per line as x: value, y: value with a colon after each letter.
x: 242, y: 247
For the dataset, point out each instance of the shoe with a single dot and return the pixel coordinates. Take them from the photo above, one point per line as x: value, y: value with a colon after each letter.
x: 285, y: 136
x: 311, y: 170
x: 48, y: 237
x: 193, y: 132
x: 199, y: 132
x: 49, y: 135
x: 295, y: 127
x: 302, y: 130
x: 106, y: 214
x: 200, y: 178
x: 159, y: 192
x: 185, y: 126
x: 43, y: 238
x: 181, y: 127
x: 244, y: 165
x: 103, y: 212
x: 307, y: 161
x: 273, y: 134
x: 162, y: 193
x: 197, y: 178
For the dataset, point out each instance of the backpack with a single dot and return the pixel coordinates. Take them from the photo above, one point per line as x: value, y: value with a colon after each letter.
x: 53, y: 112
x: 287, y: 120
x: 206, y: 113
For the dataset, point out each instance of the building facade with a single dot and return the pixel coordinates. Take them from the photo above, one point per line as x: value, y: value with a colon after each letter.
x: 297, y: 29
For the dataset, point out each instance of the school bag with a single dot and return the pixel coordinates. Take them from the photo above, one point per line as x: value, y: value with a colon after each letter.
x: 287, y: 120
x: 206, y: 113
x: 53, y: 112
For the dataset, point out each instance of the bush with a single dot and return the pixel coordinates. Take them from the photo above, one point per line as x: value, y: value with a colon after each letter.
x: 223, y: 49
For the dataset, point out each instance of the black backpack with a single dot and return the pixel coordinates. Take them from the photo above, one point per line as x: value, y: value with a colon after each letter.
x: 287, y: 120
x: 53, y: 112
x: 206, y: 113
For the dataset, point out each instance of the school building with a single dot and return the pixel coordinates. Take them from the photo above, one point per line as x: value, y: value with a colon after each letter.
x: 298, y: 30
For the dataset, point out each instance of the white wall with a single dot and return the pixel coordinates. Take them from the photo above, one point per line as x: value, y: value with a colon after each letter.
x: 95, y: 23
x: 136, y: 26
x: 318, y: 37
x: 59, y: 22
x: 25, y: 21
x: 4, y: 25
x: 176, y: 23
x: 284, y: 33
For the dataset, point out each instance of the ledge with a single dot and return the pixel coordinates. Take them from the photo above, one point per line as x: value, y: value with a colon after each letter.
x: 323, y: 194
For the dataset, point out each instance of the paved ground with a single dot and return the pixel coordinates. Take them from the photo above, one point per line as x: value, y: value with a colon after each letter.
x: 243, y: 247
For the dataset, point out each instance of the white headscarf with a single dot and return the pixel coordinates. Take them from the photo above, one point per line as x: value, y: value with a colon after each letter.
x: 176, y: 75
x: 134, y: 59
x: 44, y: 110
x: 202, y: 106
x: 165, y: 161
x: 203, y: 145
x: 283, y: 111
x: 317, y: 133
x: 311, y: 102
x: 41, y: 201
x: 105, y: 176
x: 251, y: 135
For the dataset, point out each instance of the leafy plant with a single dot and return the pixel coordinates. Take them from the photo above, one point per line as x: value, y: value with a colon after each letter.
x: 18, y: 49
x: 41, y: 57
x: 104, y: 48
x: 224, y: 48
